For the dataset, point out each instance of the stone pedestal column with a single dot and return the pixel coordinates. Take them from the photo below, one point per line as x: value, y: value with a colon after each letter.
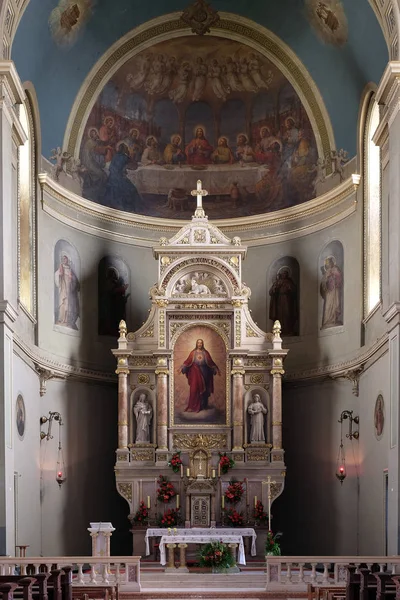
x: 277, y: 371
x: 162, y: 403
x: 237, y: 395
x: 171, y: 557
x: 122, y: 372
x: 182, y: 558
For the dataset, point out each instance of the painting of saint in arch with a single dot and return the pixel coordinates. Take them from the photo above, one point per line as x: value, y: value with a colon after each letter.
x: 200, y: 378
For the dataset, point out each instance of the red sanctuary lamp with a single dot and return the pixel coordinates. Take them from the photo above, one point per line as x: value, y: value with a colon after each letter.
x: 341, y: 464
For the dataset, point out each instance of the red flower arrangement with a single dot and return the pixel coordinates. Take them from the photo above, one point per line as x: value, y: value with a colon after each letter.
x: 170, y: 518
x: 234, y: 518
x: 272, y: 545
x: 259, y: 514
x: 166, y: 491
x: 234, y: 492
x: 225, y: 463
x: 175, y: 462
x: 142, y: 514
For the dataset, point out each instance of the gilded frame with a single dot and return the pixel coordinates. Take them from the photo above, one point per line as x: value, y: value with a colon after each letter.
x: 225, y: 340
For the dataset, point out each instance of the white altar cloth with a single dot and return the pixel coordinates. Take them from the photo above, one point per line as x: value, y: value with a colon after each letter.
x: 204, y: 531
x: 203, y: 539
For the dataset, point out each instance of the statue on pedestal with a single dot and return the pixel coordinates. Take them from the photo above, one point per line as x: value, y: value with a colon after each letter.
x: 143, y: 412
x: 257, y: 410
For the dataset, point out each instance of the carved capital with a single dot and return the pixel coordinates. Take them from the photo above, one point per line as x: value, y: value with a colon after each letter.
x: 44, y: 376
x: 352, y: 375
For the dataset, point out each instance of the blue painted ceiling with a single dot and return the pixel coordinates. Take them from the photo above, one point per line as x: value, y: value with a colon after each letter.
x: 341, y: 73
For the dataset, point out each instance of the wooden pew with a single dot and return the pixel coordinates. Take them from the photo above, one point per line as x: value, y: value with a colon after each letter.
x: 353, y: 582
x: 386, y: 587
x: 316, y: 592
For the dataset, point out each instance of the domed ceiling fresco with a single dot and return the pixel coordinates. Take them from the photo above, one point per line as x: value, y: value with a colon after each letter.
x: 216, y: 107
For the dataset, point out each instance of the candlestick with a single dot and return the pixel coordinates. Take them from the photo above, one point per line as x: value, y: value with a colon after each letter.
x: 223, y: 502
x: 219, y: 470
x: 148, y: 502
x: 188, y: 472
x: 213, y: 473
x: 255, y: 501
x: 181, y: 470
x: 177, y: 501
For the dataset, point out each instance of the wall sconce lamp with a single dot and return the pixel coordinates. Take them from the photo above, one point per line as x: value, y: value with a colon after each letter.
x: 60, y: 470
x: 341, y: 460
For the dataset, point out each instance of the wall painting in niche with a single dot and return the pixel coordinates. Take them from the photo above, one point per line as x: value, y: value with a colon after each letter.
x: 20, y: 415
x: 332, y: 285
x: 66, y: 287
x: 198, y: 104
x: 113, y: 283
x: 284, y: 295
x: 199, y: 378
x: 379, y: 416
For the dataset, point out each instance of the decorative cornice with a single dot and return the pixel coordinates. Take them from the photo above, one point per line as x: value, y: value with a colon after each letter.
x: 8, y: 70
x: 7, y: 312
x: 340, y: 369
x: 50, y: 367
x: 327, y: 210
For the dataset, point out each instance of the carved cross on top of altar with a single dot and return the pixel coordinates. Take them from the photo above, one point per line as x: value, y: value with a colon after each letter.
x: 199, y: 192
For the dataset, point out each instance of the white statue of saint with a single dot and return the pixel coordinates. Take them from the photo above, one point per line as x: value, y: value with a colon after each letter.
x: 257, y: 411
x: 143, y: 413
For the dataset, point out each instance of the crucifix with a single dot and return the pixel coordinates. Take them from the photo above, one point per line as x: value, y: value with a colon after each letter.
x: 199, y: 192
x: 269, y: 483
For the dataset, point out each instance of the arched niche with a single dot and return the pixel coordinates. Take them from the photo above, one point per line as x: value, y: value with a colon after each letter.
x: 284, y: 295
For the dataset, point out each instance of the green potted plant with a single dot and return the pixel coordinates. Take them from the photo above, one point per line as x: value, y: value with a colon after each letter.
x: 216, y: 555
x: 272, y: 546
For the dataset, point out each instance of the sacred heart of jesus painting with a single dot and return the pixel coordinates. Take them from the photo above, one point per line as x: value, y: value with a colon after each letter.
x: 199, y: 383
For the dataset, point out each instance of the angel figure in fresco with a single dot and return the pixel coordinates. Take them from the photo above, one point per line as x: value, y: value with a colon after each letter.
x: 178, y: 94
x: 255, y: 72
x: 137, y: 81
x: 257, y: 410
x: 339, y: 160
x: 156, y: 75
x: 200, y: 79
x: 200, y: 370
x: 169, y: 73
x: 331, y: 292
x: 215, y: 73
x: 198, y: 151
x: 143, y: 412
x: 230, y: 73
x: 61, y: 159
x: 244, y: 76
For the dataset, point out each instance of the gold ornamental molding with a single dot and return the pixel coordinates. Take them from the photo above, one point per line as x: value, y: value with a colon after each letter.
x: 188, y: 441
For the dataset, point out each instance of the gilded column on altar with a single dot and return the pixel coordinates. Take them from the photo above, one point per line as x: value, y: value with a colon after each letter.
x: 162, y: 403
x: 238, y: 395
x: 122, y: 371
x: 277, y: 371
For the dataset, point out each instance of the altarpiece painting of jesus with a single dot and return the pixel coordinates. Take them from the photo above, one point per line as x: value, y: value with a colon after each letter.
x: 199, y: 378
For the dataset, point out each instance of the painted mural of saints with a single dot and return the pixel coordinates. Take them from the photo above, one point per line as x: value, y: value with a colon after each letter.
x: 68, y: 18
x: 329, y: 21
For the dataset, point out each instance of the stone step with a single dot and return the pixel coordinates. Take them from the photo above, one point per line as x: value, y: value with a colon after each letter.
x: 201, y: 581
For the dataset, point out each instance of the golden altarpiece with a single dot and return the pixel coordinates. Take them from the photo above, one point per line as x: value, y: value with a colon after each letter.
x: 199, y: 301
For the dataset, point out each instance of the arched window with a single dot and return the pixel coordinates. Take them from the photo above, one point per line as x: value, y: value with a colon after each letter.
x: 26, y: 214
x: 372, y: 207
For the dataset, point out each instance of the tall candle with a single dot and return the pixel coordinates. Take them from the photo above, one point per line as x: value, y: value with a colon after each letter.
x: 255, y: 500
x: 223, y: 502
x: 177, y: 501
x: 213, y: 473
x: 181, y: 470
x: 188, y: 472
x: 219, y: 470
x: 148, y: 501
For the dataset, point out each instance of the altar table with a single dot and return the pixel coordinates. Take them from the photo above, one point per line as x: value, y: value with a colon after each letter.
x: 202, y: 539
x: 204, y: 531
